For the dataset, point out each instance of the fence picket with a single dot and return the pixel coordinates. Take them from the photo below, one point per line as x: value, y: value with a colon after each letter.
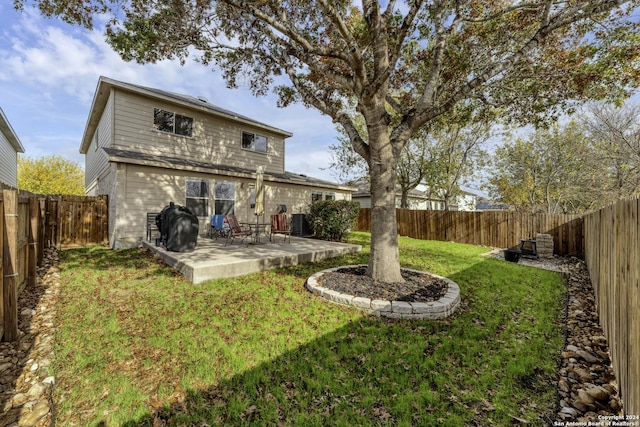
x: 32, y: 223
x: 496, y: 229
x: 11, y: 269
x: 613, y: 257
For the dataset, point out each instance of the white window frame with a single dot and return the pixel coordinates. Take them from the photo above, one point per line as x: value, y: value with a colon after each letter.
x: 159, y: 128
x: 217, y: 199
x: 252, y: 146
x: 203, y: 198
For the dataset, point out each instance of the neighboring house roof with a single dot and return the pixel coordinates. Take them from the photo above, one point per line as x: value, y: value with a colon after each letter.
x: 9, y: 133
x: 134, y: 157
x: 485, y: 205
x: 364, y: 190
x: 468, y: 193
x: 103, y: 91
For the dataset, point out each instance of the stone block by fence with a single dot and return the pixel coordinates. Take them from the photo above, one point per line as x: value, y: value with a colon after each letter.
x: 544, y: 245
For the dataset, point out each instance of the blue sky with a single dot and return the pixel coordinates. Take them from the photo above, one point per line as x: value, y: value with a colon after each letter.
x: 49, y: 72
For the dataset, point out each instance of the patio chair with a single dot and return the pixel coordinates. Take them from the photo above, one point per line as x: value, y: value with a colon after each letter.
x: 280, y: 225
x: 152, y: 227
x: 218, y: 228
x: 235, y: 230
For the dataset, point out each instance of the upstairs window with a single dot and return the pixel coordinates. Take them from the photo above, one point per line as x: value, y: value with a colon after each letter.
x: 329, y: 196
x: 316, y: 196
x: 253, y: 142
x: 166, y: 121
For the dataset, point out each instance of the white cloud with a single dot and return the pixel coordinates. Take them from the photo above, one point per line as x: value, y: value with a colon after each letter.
x: 49, y: 71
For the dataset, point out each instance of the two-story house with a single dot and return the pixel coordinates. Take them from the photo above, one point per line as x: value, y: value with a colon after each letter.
x: 147, y: 147
x: 418, y: 198
x: 10, y: 146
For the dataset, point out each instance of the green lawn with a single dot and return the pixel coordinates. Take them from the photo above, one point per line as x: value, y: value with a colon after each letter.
x: 135, y: 340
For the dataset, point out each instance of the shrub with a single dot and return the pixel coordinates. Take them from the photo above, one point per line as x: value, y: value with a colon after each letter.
x: 332, y: 219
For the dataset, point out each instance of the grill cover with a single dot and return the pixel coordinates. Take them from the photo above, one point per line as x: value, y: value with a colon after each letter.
x: 178, y: 228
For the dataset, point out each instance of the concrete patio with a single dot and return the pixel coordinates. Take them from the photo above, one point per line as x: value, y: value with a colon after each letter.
x: 212, y: 260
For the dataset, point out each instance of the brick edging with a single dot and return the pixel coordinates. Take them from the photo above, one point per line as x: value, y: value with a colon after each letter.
x: 439, y: 309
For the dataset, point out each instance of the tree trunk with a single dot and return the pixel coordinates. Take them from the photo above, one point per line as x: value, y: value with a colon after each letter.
x: 384, y: 261
x: 404, y: 199
x: 447, y: 201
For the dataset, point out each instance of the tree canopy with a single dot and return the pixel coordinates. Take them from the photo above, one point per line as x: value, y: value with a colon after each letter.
x: 575, y: 167
x: 50, y: 175
x: 423, y: 58
x: 545, y: 172
x: 615, y: 135
x: 442, y: 157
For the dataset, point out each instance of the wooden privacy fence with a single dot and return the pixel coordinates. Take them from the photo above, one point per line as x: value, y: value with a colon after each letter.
x: 22, y: 249
x: 613, y: 259
x: 495, y: 229
x: 30, y: 223
x: 77, y: 220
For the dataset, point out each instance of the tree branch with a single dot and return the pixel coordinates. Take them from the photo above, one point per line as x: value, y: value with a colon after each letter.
x: 564, y: 19
x: 360, y: 73
x: 375, y: 23
x: 389, y: 11
x: 407, y: 24
x: 343, y: 81
x: 525, y: 6
x: 287, y: 30
x: 411, y: 122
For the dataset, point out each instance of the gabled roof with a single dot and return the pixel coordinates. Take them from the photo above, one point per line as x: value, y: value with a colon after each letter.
x: 103, y: 91
x: 134, y: 157
x: 9, y: 133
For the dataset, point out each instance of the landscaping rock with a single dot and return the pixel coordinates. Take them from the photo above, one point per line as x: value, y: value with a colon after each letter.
x: 587, y: 388
x: 26, y: 383
x: 598, y: 393
x: 567, y: 410
x: 587, y: 356
x: 586, y: 377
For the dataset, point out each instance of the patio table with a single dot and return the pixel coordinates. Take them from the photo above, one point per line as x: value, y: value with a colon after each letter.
x: 258, y: 228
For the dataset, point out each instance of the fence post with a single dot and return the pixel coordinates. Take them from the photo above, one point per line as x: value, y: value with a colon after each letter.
x: 34, y: 223
x: 42, y: 229
x: 62, y: 222
x: 10, y: 265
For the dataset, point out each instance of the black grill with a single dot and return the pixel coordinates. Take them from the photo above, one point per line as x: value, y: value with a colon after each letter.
x: 178, y: 228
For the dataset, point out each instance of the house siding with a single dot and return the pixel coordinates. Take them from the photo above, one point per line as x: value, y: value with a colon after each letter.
x: 214, y: 139
x: 297, y: 198
x: 106, y: 184
x: 143, y: 189
x: 8, y: 162
x: 414, y: 204
x: 97, y: 161
x: 153, y: 166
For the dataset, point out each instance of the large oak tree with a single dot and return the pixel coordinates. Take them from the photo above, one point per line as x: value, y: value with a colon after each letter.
x: 420, y: 57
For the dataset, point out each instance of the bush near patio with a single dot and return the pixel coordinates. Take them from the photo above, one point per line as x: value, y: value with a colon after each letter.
x: 136, y: 341
x: 332, y: 219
